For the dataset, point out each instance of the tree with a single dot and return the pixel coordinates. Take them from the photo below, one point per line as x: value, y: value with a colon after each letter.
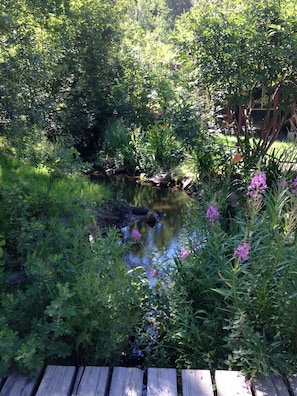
x: 57, y: 69
x: 238, y: 48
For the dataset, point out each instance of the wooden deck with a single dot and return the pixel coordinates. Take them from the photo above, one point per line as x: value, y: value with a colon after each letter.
x: 123, y: 381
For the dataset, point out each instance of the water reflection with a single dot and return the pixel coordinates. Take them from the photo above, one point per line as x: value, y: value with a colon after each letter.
x: 159, y: 244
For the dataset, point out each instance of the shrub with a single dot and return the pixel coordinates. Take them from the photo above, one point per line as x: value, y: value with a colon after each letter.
x: 156, y: 148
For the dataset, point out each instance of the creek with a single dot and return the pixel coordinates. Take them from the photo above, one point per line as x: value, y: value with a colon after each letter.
x: 159, y: 244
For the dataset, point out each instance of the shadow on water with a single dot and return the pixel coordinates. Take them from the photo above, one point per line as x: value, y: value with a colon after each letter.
x: 160, y: 243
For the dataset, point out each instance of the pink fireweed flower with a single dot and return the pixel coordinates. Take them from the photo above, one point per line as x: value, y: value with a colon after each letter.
x: 136, y: 234
x: 212, y: 214
x: 184, y: 253
x: 242, y: 251
x: 258, y: 185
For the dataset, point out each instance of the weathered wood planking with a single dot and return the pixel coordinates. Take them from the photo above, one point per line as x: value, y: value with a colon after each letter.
x: 270, y: 386
x: 95, y: 381
x: 293, y: 384
x: 231, y: 383
x: 18, y: 385
x: 91, y: 381
x: 161, y: 382
x: 126, y: 381
x: 196, y: 383
x: 57, y: 381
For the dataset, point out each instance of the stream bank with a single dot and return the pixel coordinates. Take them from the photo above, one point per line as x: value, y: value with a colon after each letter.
x: 155, y: 211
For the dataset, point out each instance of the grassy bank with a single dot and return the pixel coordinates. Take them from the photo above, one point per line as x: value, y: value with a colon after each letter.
x: 65, y: 296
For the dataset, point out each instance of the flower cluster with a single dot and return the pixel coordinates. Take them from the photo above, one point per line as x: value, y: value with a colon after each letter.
x: 136, y: 235
x: 258, y: 185
x: 212, y: 214
x: 242, y: 251
x: 184, y: 253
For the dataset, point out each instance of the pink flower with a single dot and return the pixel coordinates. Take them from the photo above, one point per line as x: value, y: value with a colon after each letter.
x: 184, y: 253
x: 242, y: 251
x: 258, y: 185
x: 136, y: 234
x: 212, y: 214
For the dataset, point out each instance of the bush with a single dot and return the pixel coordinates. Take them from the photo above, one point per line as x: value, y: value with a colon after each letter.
x: 156, y: 148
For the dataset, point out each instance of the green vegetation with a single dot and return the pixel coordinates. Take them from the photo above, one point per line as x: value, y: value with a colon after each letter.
x: 65, y: 291
x: 148, y: 86
x: 233, y: 291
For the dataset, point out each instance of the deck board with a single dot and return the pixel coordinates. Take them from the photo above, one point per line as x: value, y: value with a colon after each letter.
x: 126, y: 381
x: 231, y: 383
x: 91, y: 381
x: 17, y: 384
x: 293, y: 384
x: 161, y: 382
x: 57, y: 381
x: 280, y: 385
x: 270, y: 386
x: 196, y: 383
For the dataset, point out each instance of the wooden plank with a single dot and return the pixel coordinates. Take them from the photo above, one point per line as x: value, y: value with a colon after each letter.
x: 161, y: 382
x: 17, y: 384
x: 196, y: 383
x: 78, y: 377
x: 280, y: 385
x: 270, y: 386
x: 57, y: 381
x: 293, y: 384
x: 91, y: 381
x: 126, y: 381
x: 231, y: 383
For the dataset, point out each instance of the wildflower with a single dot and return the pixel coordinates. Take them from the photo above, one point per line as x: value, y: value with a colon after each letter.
x: 294, y: 186
x: 242, y: 251
x: 258, y: 185
x: 154, y: 273
x: 212, y: 214
x: 184, y: 253
x: 237, y: 158
x: 136, y: 234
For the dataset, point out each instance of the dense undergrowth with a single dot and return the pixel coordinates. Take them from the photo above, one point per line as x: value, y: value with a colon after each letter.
x: 144, y: 87
x: 232, y: 296
x: 66, y: 294
x: 227, y: 302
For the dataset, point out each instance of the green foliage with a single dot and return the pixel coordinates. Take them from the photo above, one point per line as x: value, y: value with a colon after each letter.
x: 57, y: 65
x: 116, y: 136
x: 153, y: 15
x: 234, y: 313
x: 66, y: 293
x: 184, y: 114
x: 240, y: 48
x: 156, y: 148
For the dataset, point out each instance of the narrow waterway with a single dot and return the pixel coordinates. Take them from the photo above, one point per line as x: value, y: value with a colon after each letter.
x: 160, y: 243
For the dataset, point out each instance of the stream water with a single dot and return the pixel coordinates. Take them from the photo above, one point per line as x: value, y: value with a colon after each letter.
x: 160, y: 243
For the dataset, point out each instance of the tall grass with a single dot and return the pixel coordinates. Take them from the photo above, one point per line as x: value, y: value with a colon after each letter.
x: 66, y: 294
